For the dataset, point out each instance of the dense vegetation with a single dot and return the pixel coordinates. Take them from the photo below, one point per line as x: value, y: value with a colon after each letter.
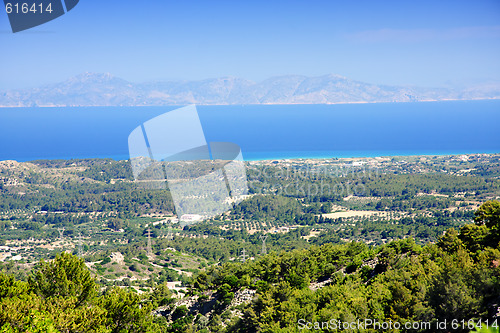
x: 61, y: 296
x: 390, y: 243
x: 97, y: 199
x: 456, y: 279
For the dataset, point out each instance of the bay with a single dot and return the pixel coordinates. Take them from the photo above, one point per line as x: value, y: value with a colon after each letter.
x: 264, y: 131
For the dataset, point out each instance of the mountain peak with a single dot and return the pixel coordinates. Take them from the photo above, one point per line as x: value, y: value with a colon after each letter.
x: 335, y: 76
x: 94, y: 77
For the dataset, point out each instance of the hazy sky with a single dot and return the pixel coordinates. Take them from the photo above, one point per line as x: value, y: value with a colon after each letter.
x: 427, y: 43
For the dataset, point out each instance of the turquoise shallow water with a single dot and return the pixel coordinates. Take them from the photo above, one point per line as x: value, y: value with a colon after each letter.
x: 264, y: 131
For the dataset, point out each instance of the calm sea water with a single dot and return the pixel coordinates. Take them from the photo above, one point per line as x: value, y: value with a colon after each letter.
x: 263, y: 131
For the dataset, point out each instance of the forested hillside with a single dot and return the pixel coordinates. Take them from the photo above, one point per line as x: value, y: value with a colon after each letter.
x: 407, y: 240
x: 457, y: 280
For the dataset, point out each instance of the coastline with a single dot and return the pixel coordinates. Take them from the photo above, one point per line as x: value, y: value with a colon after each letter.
x: 259, y: 104
x: 372, y: 155
x: 294, y: 157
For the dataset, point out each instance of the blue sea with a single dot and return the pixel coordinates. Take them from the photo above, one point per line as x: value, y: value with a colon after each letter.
x: 264, y: 131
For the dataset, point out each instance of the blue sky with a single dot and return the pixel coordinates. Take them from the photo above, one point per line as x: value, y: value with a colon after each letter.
x: 426, y: 43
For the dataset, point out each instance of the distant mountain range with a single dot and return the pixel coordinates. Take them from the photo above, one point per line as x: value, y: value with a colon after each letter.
x: 96, y: 89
